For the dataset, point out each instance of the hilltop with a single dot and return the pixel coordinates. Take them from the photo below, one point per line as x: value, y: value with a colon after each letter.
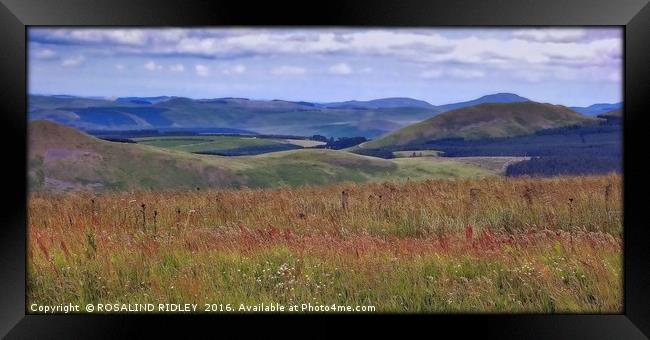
x: 382, y: 103
x: 491, y: 98
x: 484, y: 121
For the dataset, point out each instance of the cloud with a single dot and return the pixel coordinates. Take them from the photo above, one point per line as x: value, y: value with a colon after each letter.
x: 235, y: 69
x: 595, y: 74
x: 340, y: 69
x: 226, y: 43
x: 120, y: 67
x: 72, y: 62
x: 288, y: 70
x: 134, y: 37
x: 452, y: 73
x: 44, y: 54
x: 551, y: 52
x: 558, y: 35
x: 431, y: 74
x: 152, y: 66
x: 201, y: 70
x: 615, y: 77
x: 531, y: 45
x: 177, y: 68
x: 466, y: 74
x: 409, y: 44
x: 531, y: 75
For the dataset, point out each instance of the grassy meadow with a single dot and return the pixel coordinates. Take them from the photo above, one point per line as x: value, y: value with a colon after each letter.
x: 62, y: 159
x: 416, y: 153
x: 206, y: 143
x: 479, y: 245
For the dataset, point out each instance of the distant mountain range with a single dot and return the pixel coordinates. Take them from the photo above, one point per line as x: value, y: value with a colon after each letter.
x: 142, y: 100
x: 384, y: 103
x: 261, y: 116
x: 597, y: 109
x: 370, y: 119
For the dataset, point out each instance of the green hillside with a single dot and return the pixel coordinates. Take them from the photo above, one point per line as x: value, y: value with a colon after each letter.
x: 483, y: 121
x: 206, y: 143
x: 61, y: 158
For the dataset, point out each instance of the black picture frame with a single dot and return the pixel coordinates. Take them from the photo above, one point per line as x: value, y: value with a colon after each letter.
x: 17, y: 15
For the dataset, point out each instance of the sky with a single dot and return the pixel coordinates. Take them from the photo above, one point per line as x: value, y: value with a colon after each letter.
x: 570, y: 66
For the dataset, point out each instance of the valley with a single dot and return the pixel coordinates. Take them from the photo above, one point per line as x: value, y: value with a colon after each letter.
x: 438, y: 216
x: 61, y: 155
x: 515, y: 136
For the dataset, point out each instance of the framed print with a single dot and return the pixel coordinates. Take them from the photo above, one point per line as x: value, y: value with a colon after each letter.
x: 469, y: 167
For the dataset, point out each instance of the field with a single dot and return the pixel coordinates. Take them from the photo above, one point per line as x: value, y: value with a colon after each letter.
x: 305, y: 143
x: 497, y: 164
x: 416, y: 153
x: 226, y: 145
x: 203, y: 144
x: 467, y: 245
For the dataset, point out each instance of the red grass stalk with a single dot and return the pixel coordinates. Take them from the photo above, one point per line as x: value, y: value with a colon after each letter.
x: 43, y: 247
x: 65, y: 250
x: 469, y: 233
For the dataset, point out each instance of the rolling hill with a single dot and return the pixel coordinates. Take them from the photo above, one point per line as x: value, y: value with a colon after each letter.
x: 414, y: 103
x: 61, y: 158
x: 483, y: 121
x: 384, y: 103
x: 142, y: 100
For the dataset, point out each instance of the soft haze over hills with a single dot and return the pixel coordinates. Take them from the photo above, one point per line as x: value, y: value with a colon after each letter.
x: 262, y: 116
x: 369, y: 119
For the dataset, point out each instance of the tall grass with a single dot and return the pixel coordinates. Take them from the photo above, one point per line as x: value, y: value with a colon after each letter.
x: 487, y: 245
